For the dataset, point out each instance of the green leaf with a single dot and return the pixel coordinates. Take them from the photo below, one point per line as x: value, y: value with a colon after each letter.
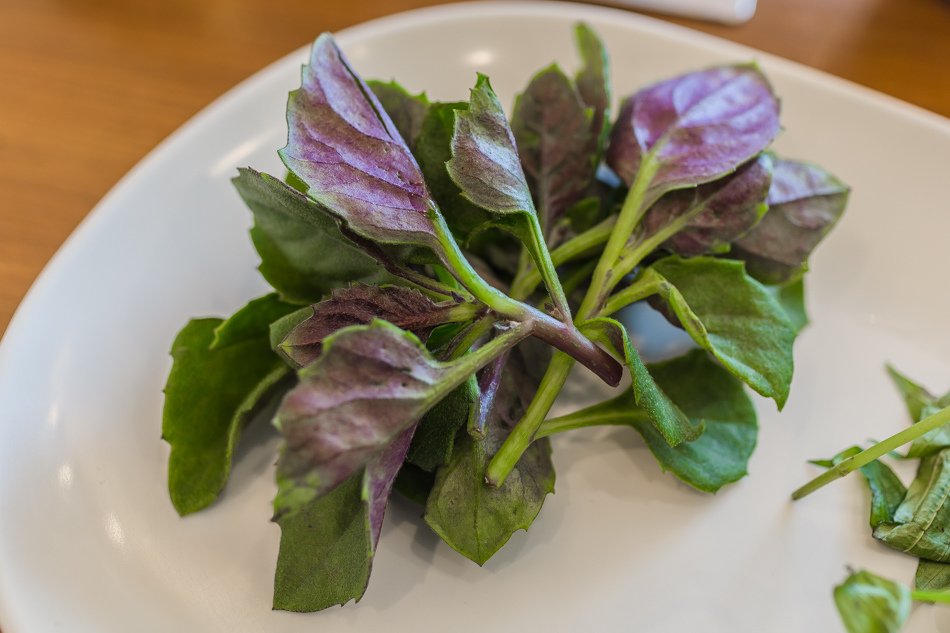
x: 672, y: 423
x: 932, y: 576
x: 251, y: 321
x: 791, y: 296
x: 407, y: 111
x: 734, y: 317
x: 325, y: 551
x: 871, y: 604
x: 921, y: 524
x: 711, y: 397
x: 210, y: 395
x: 303, y: 253
x: 327, y: 545
x: 552, y: 128
x: 435, y: 435
x: 593, y: 82
x: 475, y: 519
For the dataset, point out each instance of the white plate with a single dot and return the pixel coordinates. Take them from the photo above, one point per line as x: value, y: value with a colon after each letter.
x: 89, y: 541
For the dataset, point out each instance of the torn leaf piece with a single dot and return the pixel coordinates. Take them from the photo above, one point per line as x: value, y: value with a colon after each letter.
x: 920, y: 526
x: 871, y: 604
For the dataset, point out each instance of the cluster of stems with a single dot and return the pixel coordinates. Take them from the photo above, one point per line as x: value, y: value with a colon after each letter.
x: 619, y: 257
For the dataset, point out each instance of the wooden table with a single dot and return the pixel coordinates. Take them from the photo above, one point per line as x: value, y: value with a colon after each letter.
x: 88, y: 87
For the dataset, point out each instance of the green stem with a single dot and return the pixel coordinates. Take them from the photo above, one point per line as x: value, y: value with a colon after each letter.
x: 602, y: 280
x: 563, y: 336
x: 585, y: 418
x: 880, y: 449
x: 524, y: 432
x: 634, y: 206
x: 465, y: 342
x: 545, y: 266
x: 931, y: 596
x: 648, y: 283
x: 462, y: 368
x: 527, y: 280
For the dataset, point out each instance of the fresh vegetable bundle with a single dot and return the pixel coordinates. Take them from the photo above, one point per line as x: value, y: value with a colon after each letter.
x: 439, y: 269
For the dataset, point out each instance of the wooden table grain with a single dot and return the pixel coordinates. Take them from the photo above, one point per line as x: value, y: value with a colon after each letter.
x: 88, y: 87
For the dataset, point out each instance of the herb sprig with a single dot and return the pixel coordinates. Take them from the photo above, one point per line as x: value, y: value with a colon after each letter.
x: 439, y: 268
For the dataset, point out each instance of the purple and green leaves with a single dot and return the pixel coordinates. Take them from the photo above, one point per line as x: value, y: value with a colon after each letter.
x: 288, y: 229
x: 327, y: 546
x: 346, y: 148
x: 370, y: 385
x: 805, y: 203
x: 708, y: 218
x: 693, y: 129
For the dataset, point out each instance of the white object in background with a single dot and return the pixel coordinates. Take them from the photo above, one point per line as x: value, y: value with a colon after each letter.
x: 726, y: 11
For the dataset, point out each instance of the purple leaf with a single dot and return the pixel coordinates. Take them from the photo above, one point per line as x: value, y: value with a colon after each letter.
x: 805, y: 203
x: 344, y: 146
x: 485, y: 163
x: 369, y: 387
x: 708, y: 218
x: 359, y: 304
x: 555, y: 140
x: 694, y: 128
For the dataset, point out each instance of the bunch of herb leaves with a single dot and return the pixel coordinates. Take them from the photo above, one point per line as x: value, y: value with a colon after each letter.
x: 439, y: 267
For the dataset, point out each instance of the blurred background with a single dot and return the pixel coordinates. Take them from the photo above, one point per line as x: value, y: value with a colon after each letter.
x: 90, y: 86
